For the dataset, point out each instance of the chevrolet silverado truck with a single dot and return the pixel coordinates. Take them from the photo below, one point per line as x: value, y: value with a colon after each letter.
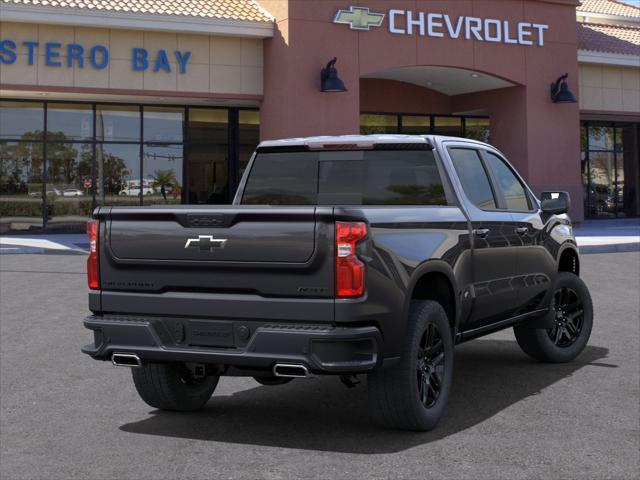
x: 345, y: 256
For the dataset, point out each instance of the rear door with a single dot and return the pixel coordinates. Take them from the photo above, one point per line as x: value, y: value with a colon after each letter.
x: 494, y: 239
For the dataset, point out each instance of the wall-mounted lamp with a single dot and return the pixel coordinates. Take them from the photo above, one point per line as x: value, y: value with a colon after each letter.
x: 560, y: 92
x: 329, y: 80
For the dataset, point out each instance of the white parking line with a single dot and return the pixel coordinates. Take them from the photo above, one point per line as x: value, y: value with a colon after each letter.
x: 32, y: 242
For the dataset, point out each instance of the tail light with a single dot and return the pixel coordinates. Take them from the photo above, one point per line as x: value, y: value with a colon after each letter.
x: 93, y: 262
x: 349, y: 268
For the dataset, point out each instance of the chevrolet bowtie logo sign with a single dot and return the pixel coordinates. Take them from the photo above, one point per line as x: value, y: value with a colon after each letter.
x: 205, y: 243
x: 359, y: 18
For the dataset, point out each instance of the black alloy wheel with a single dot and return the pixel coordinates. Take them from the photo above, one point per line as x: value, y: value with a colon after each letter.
x: 569, y: 317
x: 430, y: 366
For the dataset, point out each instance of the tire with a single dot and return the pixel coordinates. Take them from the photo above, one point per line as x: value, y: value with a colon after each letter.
x: 574, y: 321
x: 272, y: 380
x: 170, y: 386
x: 396, y: 394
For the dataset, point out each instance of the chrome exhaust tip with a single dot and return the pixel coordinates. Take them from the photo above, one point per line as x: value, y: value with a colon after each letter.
x: 290, y: 370
x: 126, y: 360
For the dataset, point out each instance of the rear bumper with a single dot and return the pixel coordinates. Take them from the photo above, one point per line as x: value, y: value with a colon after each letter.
x: 322, y: 348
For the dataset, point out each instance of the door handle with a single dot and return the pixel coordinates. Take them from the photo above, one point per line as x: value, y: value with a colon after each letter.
x: 522, y: 231
x: 481, y: 232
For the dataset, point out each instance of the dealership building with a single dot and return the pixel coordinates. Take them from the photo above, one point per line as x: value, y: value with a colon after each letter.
x: 109, y: 102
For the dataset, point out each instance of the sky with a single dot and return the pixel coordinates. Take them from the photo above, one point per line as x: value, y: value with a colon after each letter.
x: 635, y: 3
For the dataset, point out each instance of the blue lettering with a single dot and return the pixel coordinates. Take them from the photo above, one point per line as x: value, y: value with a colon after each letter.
x: 183, y: 59
x: 31, y: 48
x: 51, y: 53
x: 99, y: 51
x: 140, y: 62
x: 162, y: 62
x: 7, y: 52
x: 74, y: 54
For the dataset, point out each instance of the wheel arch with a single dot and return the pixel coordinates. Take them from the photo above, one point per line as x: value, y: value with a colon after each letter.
x: 435, y: 280
x: 568, y: 259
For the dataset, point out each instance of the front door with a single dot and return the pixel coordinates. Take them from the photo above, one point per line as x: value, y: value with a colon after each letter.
x: 536, y: 266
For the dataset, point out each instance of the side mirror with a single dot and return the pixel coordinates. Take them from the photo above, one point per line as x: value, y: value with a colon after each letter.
x: 555, y: 203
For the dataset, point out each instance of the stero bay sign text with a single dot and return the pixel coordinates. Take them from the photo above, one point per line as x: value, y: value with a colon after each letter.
x: 96, y: 56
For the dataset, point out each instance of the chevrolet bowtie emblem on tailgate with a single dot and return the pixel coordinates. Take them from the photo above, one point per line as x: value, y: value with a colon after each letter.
x: 359, y: 18
x: 205, y: 243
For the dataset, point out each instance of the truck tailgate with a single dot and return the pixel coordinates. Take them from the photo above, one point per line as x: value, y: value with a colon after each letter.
x: 264, y: 251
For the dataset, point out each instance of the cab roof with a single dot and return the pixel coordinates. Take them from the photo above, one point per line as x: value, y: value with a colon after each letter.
x: 363, y: 141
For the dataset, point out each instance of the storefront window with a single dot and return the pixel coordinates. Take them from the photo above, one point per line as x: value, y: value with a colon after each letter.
x: 118, y: 123
x: 416, y: 124
x: 163, y: 124
x: 21, y: 121
x: 450, y: 126
x: 21, y: 186
x: 610, y: 169
x: 108, y: 154
x: 208, y: 156
x: 69, y: 200
x: 162, y: 174
x: 69, y: 122
x: 118, y: 174
x: 248, y: 137
x: 371, y: 124
x: 477, y: 129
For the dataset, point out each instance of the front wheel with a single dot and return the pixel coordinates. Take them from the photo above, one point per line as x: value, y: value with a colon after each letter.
x: 172, y: 386
x: 412, y: 394
x: 573, y: 315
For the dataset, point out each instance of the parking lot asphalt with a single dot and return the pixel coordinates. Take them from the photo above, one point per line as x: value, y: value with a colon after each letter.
x: 65, y: 416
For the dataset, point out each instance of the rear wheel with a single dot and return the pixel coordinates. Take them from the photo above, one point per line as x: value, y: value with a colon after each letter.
x: 172, y: 386
x: 412, y: 394
x: 573, y: 314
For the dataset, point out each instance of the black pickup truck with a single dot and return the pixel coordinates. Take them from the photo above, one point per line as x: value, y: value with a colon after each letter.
x: 339, y: 256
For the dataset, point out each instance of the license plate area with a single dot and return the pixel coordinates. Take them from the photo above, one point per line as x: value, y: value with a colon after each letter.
x: 214, y: 333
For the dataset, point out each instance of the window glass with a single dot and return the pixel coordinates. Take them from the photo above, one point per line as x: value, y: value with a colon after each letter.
x: 477, y: 129
x: 207, y: 160
x: 208, y: 125
x: 283, y: 179
x: 513, y: 191
x: 21, y: 120
x: 248, y: 137
x: 69, y: 180
x: 601, y: 138
x: 118, y: 174
x: 416, y: 124
x: 118, y: 123
x: 163, y: 124
x: 602, y: 188
x: 371, y: 124
x: 346, y: 178
x: 162, y: 174
x: 21, y: 186
x: 69, y: 122
x: 451, y: 126
x: 473, y: 177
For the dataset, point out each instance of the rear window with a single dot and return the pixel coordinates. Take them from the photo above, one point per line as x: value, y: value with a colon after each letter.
x: 371, y: 177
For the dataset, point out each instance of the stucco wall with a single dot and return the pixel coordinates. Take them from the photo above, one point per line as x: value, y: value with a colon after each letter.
x: 609, y: 88
x: 220, y: 65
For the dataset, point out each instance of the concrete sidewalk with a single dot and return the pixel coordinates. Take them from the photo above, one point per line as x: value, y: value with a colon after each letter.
x: 605, y: 236
x: 593, y: 236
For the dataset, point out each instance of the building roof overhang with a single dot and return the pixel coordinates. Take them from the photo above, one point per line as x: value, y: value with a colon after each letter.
x: 103, y: 18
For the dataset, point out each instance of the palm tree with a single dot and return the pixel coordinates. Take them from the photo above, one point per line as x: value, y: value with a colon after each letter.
x: 162, y: 179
